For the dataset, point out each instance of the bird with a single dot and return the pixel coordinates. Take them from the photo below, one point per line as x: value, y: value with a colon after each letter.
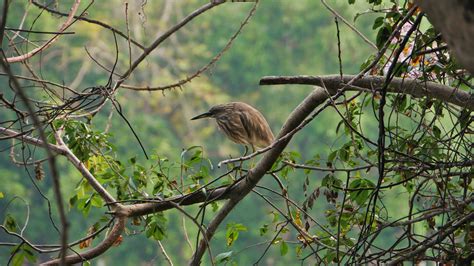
x: 241, y: 123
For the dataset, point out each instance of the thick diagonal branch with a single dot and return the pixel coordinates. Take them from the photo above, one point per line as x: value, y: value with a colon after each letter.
x: 112, y: 236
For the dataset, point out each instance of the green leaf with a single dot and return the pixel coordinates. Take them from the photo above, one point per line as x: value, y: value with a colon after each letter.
x: 214, y: 206
x: 232, y: 233
x: 156, y: 226
x: 360, y: 196
x: 18, y: 259
x: 330, y: 257
x: 378, y: 22
x: 1, y: 195
x: 382, y: 36
x: 97, y: 201
x: 21, y: 253
x: 29, y: 253
x: 276, y: 217
x: 223, y: 257
x: 375, y: 2
x: 263, y: 230
x: 344, y: 154
x: 331, y: 156
x: 330, y: 181
x: 10, y: 223
x: 436, y: 132
x: 283, y: 248
x: 299, y: 250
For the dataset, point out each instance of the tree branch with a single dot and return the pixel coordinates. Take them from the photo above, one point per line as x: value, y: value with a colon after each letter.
x: 63, y: 27
x: 199, y: 196
x: 114, y: 233
x: 92, y: 21
x: 165, y: 36
x: 202, y: 69
x: 30, y: 140
x: 413, y: 87
x: 85, y: 172
x: 434, y: 239
x: 50, y: 155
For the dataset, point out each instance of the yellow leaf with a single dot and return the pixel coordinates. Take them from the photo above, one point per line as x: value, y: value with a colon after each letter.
x: 297, y: 219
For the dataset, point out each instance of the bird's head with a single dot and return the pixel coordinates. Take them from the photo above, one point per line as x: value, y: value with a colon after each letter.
x: 214, y: 112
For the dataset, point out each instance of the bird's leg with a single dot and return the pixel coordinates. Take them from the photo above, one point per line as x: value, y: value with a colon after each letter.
x: 251, y: 160
x: 231, y: 176
x: 246, y: 150
x: 242, y: 162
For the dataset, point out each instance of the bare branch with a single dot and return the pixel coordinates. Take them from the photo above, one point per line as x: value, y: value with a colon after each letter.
x: 92, y: 21
x: 352, y: 27
x: 202, y: 69
x: 444, y: 232
x: 51, y: 159
x: 413, y: 87
x: 63, y: 27
x: 166, y: 35
x: 107, y: 243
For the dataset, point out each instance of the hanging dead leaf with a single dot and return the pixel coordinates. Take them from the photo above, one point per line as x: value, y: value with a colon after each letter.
x: 86, y: 243
x: 39, y: 171
x: 118, y: 241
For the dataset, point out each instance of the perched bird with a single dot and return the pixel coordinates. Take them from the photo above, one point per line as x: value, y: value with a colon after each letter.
x: 241, y: 123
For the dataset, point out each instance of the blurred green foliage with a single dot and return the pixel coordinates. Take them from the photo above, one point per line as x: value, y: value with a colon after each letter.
x: 283, y: 38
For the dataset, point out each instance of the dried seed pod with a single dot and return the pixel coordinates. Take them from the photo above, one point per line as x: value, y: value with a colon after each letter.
x: 39, y: 171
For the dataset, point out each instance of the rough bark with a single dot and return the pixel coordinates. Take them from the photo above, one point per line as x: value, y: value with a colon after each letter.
x: 455, y: 20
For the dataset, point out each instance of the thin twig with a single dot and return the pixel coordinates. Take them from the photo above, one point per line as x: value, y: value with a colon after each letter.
x: 92, y: 21
x: 202, y: 69
x: 50, y: 155
x: 352, y: 27
x: 63, y: 27
x: 163, y: 251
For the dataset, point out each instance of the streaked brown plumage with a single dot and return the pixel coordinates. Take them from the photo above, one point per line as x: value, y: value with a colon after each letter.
x: 241, y: 123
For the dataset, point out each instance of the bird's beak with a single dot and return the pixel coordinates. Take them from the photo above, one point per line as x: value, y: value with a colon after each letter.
x: 206, y: 114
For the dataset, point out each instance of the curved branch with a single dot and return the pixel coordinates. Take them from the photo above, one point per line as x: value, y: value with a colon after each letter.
x: 85, y: 172
x: 63, y: 27
x: 202, y: 69
x: 30, y: 140
x: 92, y: 21
x: 114, y: 233
x: 49, y: 153
x: 348, y: 24
x: 65, y: 151
x: 199, y: 196
x: 413, y: 87
x: 434, y: 239
x: 165, y: 36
